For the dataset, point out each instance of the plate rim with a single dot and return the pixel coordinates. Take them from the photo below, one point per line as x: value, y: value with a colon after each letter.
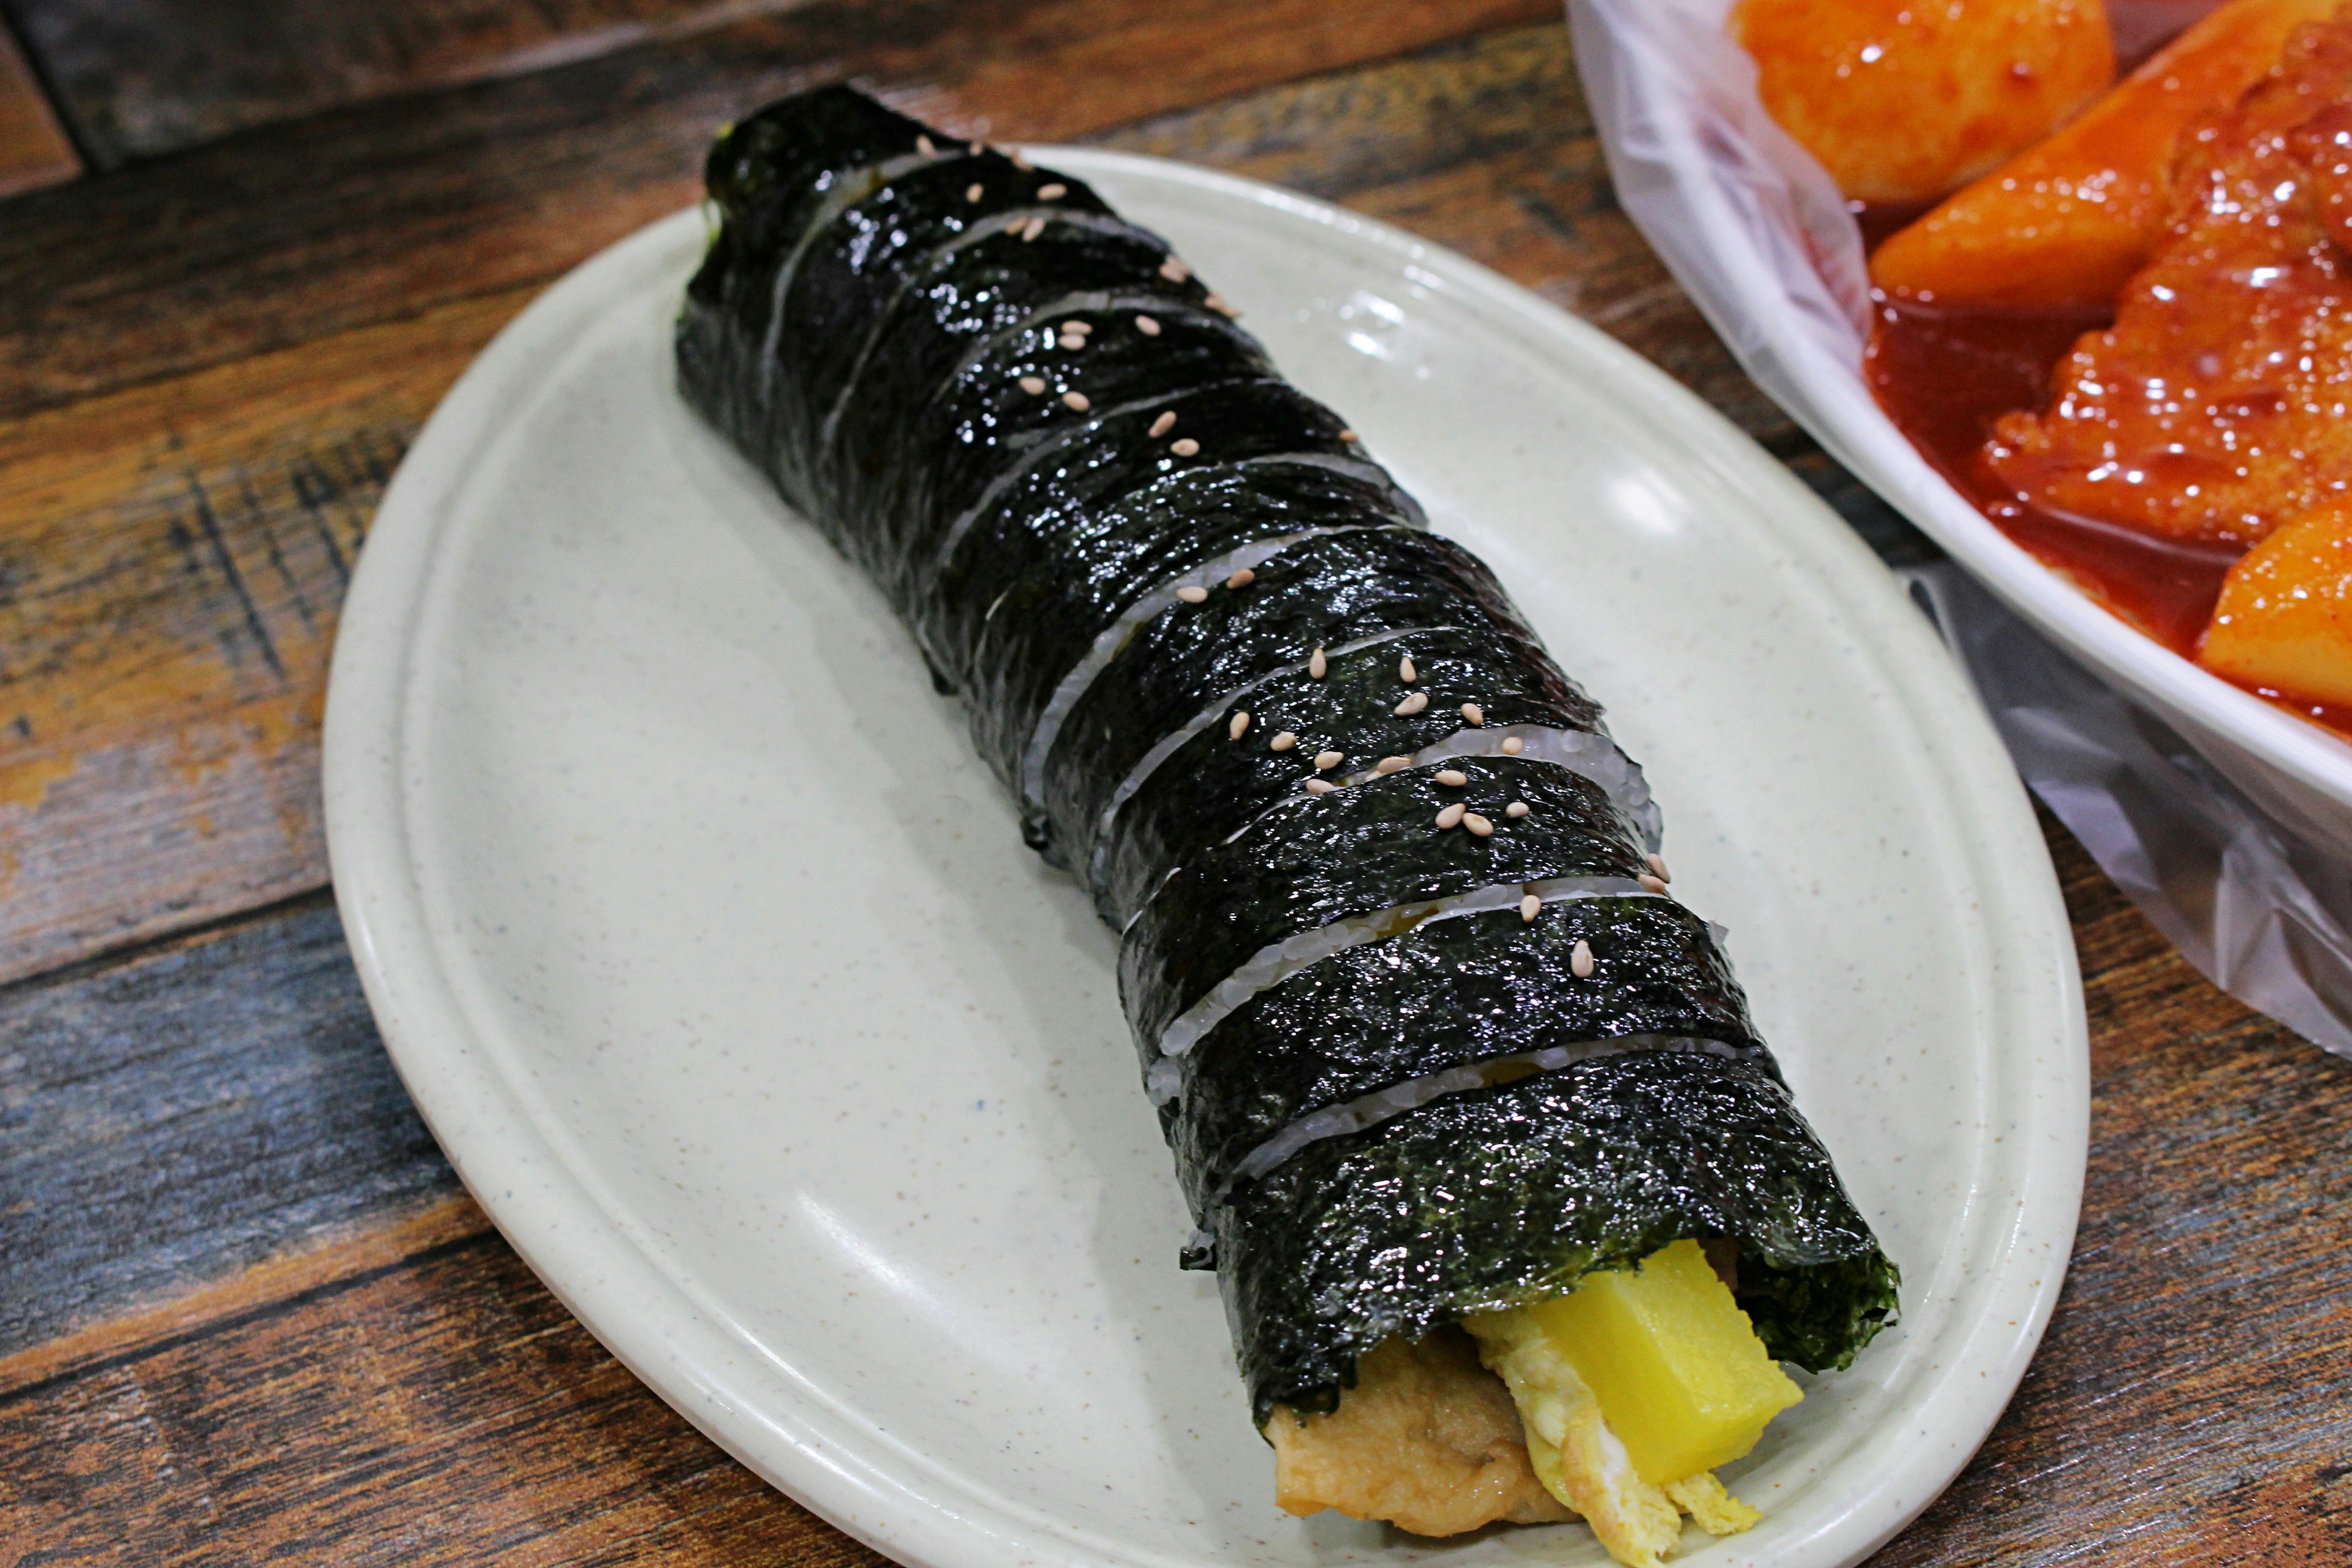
x: 816, y: 1451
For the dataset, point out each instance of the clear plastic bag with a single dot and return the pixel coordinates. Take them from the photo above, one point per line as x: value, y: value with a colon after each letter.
x: 1775, y: 261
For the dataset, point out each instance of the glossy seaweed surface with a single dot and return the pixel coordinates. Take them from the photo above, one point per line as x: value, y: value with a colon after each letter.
x: 1173, y: 592
x: 1508, y: 1194
x: 1447, y: 994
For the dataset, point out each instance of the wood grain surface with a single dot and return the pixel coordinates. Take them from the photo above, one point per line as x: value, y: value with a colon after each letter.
x: 246, y: 1311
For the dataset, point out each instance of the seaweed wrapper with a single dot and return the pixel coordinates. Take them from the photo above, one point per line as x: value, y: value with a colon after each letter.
x: 991, y: 281
x: 1210, y: 782
x: 978, y: 429
x: 1043, y: 521
x: 1038, y: 624
x: 1446, y: 994
x: 1508, y: 1195
x: 1316, y: 859
x: 1325, y: 591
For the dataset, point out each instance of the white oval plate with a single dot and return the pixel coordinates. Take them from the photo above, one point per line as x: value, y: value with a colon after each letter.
x: 715, y: 963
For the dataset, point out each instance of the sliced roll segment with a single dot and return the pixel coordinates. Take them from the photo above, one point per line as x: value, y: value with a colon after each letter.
x: 1200, y: 784
x: 1512, y: 1193
x: 1487, y: 987
x: 1325, y: 591
x: 1005, y: 402
x: 1319, y: 858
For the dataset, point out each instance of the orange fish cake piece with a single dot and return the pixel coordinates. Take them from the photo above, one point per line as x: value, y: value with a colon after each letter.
x: 2218, y: 403
x: 2065, y: 224
x: 2284, y: 620
x: 1905, y: 99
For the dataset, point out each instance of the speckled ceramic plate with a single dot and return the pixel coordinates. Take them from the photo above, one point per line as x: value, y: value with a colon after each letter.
x: 717, y: 966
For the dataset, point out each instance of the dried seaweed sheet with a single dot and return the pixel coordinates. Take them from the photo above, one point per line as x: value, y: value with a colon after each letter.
x: 1167, y: 584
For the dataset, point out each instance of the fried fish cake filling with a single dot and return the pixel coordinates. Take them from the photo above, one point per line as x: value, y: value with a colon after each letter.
x: 1613, y: 1402
x: 2215, y: 406
x: 1428, y: 1440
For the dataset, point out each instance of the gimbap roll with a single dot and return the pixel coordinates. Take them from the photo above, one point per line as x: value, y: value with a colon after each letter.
x: 1513, y: 1214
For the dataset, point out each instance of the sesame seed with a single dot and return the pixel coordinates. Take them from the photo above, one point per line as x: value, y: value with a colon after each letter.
x: 1081, y: 328
x: 1477, y: 824
x: 1530, y: 907
x: 1184, y: 446
x: 1513, y: 745
x: 1405, y: 672
x: 1015, y: 223
x: 1349, y: 437
x: 1077, y: 400
x: 923, y: 145
x: 1033, y: 384
x: 1161, y: 426
x: 1147, y: 326
x: 1392, y: 764
x: 1317, y: 665
x: 1412, y: 705
x: 1652, y: 883
x: 1072, y: 339
x: 1191, y: 593
x: 1515, y: 810
x: 1282, y: 742
x: 972, y: 192
x: 1174, y: 270
x: 1033, y: 229
x: 1579, y: 960
x: 1223, y: 306
x: 1019, y: 159
x: 1239, y: 727
x: 1658, y: 868
x: 1326, y: 761
x: 1320, y: 787
x: 1241, y: 579
x: 1453, y: 778
x: 1473, y: 713
x: 1452, y: 815
x: 1052, y: 193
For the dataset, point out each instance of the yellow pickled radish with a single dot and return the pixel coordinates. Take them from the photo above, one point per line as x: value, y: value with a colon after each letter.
x: 1681, y: 1377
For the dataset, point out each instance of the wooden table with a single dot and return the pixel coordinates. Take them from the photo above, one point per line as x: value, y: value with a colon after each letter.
x: 246, y: 1312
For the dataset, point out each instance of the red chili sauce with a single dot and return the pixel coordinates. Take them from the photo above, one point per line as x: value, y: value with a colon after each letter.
x: 1944, y: 376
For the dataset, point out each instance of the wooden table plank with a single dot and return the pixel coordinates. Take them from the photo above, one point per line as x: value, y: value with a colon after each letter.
x: 34, y: 149
x: 287, y: 235
x: 175, y: 552
x: 441, y: 1409
x: 142, y: 77
x: 201, y: 1105
x: 171, y: 562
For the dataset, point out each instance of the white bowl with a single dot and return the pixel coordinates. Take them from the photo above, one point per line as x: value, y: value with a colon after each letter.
x: 1751, y: 226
